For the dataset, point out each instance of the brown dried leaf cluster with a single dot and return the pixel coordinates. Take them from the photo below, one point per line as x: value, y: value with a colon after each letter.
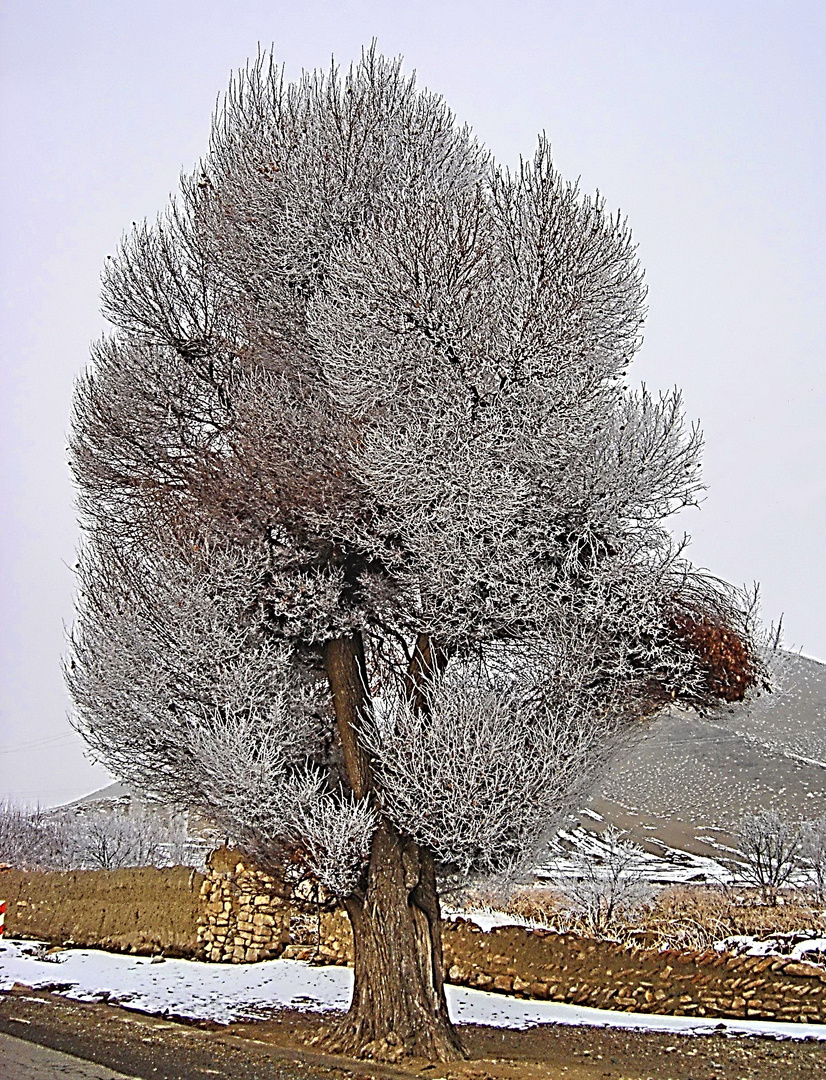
x: 729, y: 666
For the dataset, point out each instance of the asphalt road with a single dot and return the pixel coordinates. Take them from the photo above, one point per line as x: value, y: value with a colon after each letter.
x: 21, y: 1060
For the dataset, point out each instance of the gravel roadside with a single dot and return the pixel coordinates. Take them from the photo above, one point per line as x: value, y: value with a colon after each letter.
x: 158, y: 1048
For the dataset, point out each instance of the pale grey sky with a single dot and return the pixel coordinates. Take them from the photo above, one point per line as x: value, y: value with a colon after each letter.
x: 702, y: 121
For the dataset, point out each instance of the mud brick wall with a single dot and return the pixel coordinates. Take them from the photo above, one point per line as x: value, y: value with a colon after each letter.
x: 141, y: 911
x: 237, y: 913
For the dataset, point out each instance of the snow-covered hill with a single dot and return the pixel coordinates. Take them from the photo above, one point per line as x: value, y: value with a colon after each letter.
x: 688, y: 781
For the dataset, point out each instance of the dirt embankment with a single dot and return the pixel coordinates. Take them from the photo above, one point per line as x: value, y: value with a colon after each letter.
x: 141, y: 910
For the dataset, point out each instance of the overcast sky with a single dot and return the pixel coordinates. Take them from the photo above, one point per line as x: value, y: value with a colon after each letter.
x: 703, y: 122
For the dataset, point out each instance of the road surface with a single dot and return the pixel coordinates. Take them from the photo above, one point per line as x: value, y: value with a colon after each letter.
x: 21, y: 1060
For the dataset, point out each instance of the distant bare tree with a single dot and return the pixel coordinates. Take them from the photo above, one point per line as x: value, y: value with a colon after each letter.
x: 606, y: 886
x: 111, y: 840
x: 771, y: 851
x: 377, y: 567
x: 34, y: 840
x: 105, y: 838
x: 132, y: 833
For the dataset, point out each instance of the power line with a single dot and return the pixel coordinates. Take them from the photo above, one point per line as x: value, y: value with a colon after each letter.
x: 37, y: 744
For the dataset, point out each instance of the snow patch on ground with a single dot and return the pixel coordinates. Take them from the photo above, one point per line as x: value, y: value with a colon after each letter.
x: 488, y: 919
x: 187, y: 988
x: 660, y: 868
x: 227, y: 992
x: 797, y: 945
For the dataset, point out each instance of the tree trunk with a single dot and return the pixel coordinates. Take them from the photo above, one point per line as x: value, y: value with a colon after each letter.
x: 398, y: 1007
x: 346, y: 674
x: 427, y: 661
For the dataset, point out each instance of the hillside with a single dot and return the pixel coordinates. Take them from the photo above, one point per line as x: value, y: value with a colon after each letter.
x: 688, y: 780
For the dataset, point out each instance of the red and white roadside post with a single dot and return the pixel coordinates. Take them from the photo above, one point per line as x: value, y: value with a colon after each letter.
x: 3, y: 866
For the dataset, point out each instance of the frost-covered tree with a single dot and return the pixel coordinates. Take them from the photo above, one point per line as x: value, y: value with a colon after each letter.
x: 770, y: 852
x: 110, y: 838
x: 34, y: 839
x: 606, y: 884
x: 813, y: 856
x: 376, y: 568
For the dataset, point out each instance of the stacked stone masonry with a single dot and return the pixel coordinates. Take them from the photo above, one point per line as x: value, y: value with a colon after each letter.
x: 528, y: 963
x: 241, y: 920
x: 249, y: 915
x: 550, y: 966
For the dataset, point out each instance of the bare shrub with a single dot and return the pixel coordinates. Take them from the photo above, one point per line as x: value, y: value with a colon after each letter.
x: 813, y: 856
x: 770, y: 851
x: 606, y: 889
x: 32, y: 840
x: 543, y: 906
x: 98, y: 838
x: 685, y: 917
x: 697, y: 918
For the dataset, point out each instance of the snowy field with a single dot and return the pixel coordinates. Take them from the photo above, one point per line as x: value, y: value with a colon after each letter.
x: 225, y: 992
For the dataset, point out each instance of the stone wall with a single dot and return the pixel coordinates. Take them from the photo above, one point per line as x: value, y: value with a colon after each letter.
x: 249, y: 915
x: 238, y: 913
x: 245, y: 912
x: 529, y: 963
x: 550, y: 966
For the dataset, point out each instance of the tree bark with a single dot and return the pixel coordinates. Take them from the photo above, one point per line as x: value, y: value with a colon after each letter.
x: 398, y: 1007
x: 347, y: 676
x: 427, y: 661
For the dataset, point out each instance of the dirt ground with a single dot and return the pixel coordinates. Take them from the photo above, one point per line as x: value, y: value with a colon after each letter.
x: 164, y: 1049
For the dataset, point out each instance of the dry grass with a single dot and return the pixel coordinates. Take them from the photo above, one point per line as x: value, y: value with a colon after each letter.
x: 695, y: 918
x: 681, y: 917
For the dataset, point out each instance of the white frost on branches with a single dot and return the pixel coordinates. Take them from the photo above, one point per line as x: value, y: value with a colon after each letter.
x: 606, y: 886
x: 474, y: 779
x: 246, y: 777
x: 335, y: 831
x: 365, y: 384
x: 480, y: 773
x: 179, y: 693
